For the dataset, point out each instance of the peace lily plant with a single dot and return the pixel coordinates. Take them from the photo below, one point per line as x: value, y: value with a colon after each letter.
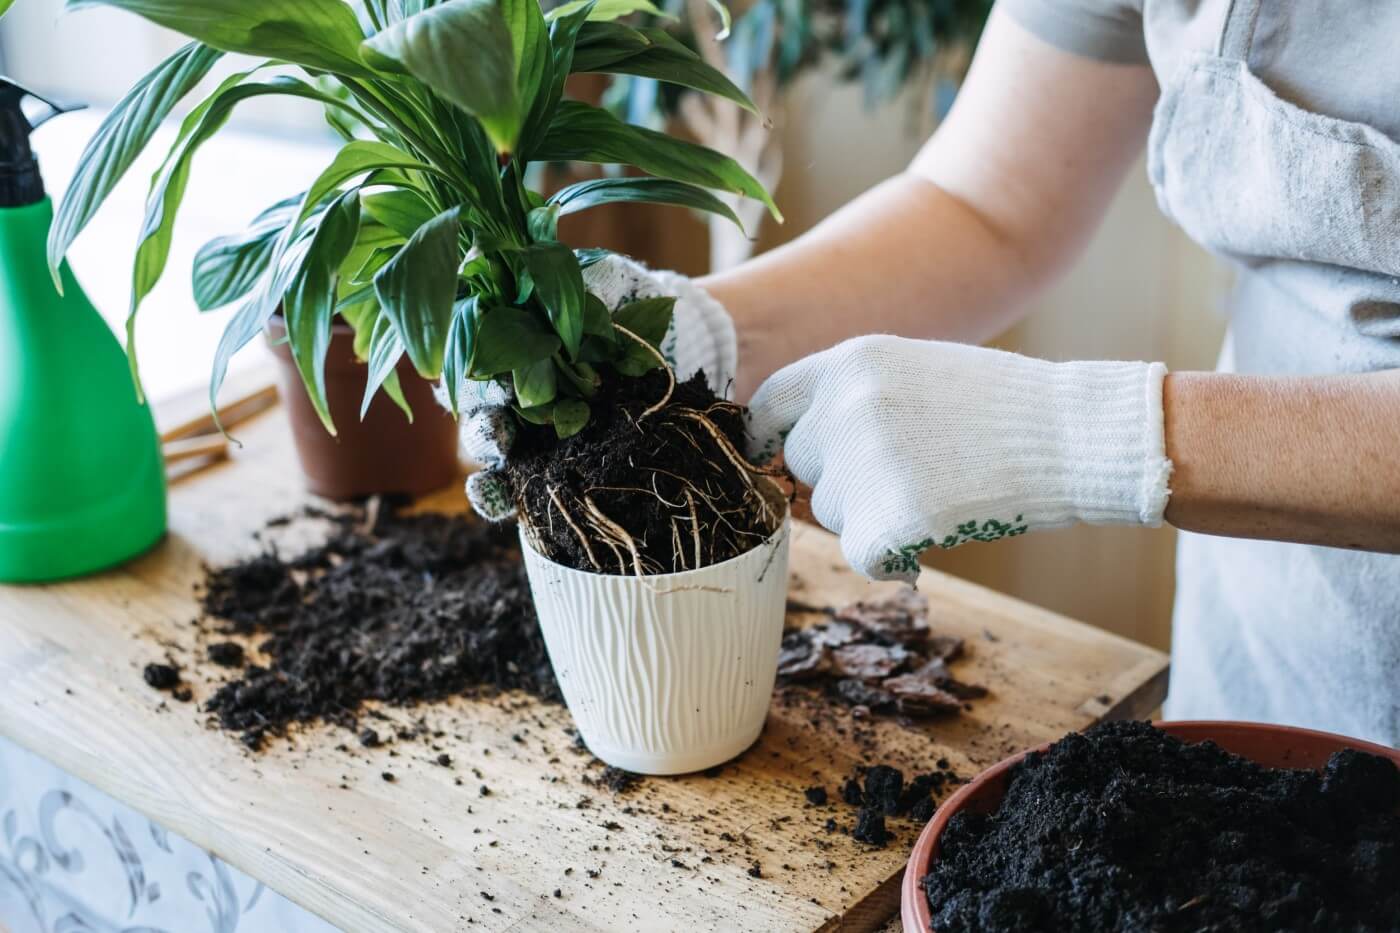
x: 641, y: 523
x: 420, y: 233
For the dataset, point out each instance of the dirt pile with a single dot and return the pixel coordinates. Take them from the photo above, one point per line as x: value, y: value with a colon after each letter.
x: 408, y: 609
x: 1127, y: 828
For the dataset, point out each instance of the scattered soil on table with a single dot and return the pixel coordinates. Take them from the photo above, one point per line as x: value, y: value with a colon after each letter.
x: 161, y: 676
x: 879, y: 791
x: 1127, y: 828
x: 664, y: 484
x: 879, y: 657
x: 414, y: 608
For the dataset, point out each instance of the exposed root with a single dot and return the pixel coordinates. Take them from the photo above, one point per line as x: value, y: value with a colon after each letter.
x: 617, y: 531
x: 670, y: 373
x: 694, y: 524
x: 582, y: 538
x: 725, y: 445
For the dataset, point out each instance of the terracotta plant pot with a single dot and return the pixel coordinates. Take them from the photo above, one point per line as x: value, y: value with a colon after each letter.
x: 1271, y: 746
x: 383, y: 454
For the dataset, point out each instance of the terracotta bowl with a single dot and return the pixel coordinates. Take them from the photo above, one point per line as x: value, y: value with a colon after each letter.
x: 1272, y: 746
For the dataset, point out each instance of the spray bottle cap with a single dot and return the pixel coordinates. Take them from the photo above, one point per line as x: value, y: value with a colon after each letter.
x: 20, y: 183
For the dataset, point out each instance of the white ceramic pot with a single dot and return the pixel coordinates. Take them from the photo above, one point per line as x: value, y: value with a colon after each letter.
x: 669, y: 673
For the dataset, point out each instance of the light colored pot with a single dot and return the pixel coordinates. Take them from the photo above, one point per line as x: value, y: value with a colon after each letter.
x: 669, y: 673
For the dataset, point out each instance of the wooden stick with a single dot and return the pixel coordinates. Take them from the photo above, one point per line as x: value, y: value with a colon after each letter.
x: 188, y: 448
x: 235, y: 412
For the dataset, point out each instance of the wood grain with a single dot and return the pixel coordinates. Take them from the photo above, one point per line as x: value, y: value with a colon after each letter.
x: 322, y: 827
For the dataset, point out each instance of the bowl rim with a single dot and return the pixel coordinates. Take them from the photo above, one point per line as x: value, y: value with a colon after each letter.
x: 914, y: 908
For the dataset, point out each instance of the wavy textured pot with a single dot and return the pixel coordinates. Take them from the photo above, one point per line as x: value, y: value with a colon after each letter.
x: 1268, y: 745
x: 670, y: 673
x: 384, y: 454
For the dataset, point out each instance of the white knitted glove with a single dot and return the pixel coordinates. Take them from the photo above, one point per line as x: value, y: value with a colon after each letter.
x: 701, y: 339
x: 912, y: 444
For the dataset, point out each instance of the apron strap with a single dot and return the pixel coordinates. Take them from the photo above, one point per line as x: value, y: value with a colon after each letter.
x: 1237, y: 35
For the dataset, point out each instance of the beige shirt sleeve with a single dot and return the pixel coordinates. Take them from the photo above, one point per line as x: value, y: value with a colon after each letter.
x: 1107, y: 30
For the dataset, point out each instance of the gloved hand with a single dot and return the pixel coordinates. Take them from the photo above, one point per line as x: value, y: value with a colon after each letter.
x: 912, y: 444
x: 701, y: 338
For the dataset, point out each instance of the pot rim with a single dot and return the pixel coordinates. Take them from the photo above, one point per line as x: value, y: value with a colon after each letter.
x: 772, y: 542
x: 914, y: 908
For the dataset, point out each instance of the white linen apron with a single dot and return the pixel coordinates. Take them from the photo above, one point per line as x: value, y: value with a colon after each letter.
x: 1309, y: 206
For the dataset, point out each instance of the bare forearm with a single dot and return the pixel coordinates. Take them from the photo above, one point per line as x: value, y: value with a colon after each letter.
x: 1305, y: 459
x: 998, y: 202
x: 877, y: 265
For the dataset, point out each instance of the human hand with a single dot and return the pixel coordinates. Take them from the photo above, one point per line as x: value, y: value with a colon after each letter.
x: 912, y: 444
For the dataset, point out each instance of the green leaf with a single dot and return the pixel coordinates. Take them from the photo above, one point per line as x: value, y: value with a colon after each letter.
x: 585, y: 194
x: 535, y: 384
x: 309, y: 303
x: 508, y: 339
x: 607, y: 10
x: 534, y: 60
x: 457, y: 358
x: 664, y: 59
x: 249, y: 319
x: 122, y: 136
x: 648, y: 318
x: 543, y: 414
x: 385, y: 350
x: 580, y: 133
x: 596, y: 320
x: 417, y: 287
x: 464, y: 51
x: 559, y: 285
x: 543, y: 223
x: 355, y: 159
x: 227, y: 267
x: 599, y: 45
x: 319, y: 34
x: 401, y: 210
x: 562, y: 34
x: 583, y: 377
x: 395, y: 393
x: 570, y: 416
x: 168, y: 187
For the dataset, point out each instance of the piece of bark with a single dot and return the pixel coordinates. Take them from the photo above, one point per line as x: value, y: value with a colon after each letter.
x: 833, y: 634
x: 902, y: 617
x: 868, y: 662
x: 915, y: 696
x: 859, y: 693
x: 801, y: 660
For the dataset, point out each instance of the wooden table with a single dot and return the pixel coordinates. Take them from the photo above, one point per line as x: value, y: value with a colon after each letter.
x: 319, y: 825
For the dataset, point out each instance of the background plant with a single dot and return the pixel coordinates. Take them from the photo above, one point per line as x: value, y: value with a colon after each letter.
x: 421, y: 232
x: 887, y: 46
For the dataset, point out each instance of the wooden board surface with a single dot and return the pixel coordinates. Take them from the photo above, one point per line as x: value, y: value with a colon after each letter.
x: 427, y: 851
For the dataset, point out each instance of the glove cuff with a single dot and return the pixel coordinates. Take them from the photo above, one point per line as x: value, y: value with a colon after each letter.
x: 1111, y: 466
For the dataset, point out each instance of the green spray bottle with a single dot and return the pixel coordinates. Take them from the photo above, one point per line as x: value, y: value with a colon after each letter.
x: 82, y: 482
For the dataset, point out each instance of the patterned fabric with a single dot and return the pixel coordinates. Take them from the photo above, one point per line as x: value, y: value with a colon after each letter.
x: 73, y: 860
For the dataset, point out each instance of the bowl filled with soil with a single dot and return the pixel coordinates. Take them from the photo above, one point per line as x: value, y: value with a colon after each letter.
x: 658, y: 562
x: 1180, y: 826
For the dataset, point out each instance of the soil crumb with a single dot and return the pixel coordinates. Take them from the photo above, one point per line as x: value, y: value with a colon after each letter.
x: 416, y: 608
x: 161, y: 676
x: 1127, y: 828
x: 669, y: 484
x: 879, y: 657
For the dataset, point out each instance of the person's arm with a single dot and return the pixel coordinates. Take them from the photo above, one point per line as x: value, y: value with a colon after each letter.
x: 1312, y: 459
x: 999, y: 202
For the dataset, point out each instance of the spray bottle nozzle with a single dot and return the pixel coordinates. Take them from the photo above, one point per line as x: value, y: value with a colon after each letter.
x: 20, y: 182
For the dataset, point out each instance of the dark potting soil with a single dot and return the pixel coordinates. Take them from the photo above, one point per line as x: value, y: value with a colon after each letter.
x: 416, y: 608
x: 879, y: 657
x: 641, y: 475
x: 1127, y: 828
